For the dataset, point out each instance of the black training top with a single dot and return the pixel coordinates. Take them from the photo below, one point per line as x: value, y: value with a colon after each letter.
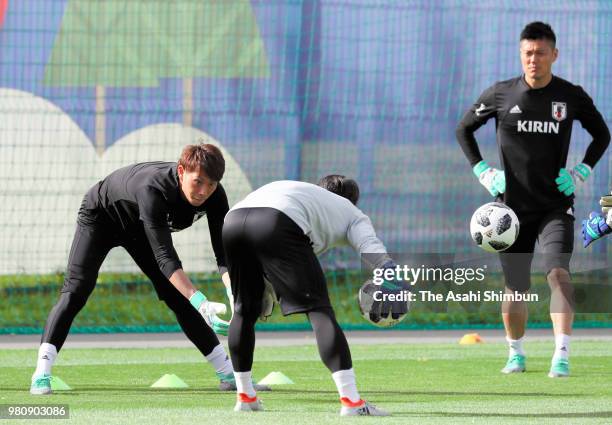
x: 534, y: 128
x: 147, y: 197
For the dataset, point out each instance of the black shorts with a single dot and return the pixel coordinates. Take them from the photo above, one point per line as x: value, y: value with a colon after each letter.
x: 554, y: 232
x: 264, y: 243
x: 94, y: 237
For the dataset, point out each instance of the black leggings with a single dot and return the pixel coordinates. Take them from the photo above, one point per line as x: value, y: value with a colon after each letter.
x: 191, y: 322
x: 91, y: 244
x: 333, y: 347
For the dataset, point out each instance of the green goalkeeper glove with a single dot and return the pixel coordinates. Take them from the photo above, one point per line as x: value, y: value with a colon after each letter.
x: 569, y: 181
x: 492, y: 179
x: 209, y: 311
x: 268, y: 300
x: 230, y: 297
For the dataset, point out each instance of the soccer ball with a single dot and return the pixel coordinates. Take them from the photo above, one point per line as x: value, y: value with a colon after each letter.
x: 494, y: 227
x: 367, y: 302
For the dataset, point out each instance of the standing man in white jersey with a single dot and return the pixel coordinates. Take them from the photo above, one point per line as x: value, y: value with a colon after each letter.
x: 275, y: 234
x: 533, y: 116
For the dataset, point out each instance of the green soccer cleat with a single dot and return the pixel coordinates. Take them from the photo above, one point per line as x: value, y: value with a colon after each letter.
x: 227, y: 382
x: 515, y: 364
x: 559, y: 369
x: 41, y: 385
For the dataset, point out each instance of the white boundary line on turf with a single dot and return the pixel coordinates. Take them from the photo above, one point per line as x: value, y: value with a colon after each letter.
x: 267, y: 339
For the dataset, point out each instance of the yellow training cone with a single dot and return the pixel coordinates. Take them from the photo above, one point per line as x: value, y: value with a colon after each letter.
x: 58, y: 385
x: 169, y: 381
x: 276, y: 378
x: 468, y: 339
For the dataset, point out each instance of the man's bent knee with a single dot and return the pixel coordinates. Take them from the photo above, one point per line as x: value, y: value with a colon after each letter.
x: 558, y: 277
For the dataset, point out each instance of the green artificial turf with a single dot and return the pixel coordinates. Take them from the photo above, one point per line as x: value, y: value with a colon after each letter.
x: 418, y: 383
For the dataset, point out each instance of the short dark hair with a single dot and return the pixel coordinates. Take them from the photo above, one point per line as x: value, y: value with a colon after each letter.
x: 205, y: 156
x: 341, y: 185
x: 539, y: 31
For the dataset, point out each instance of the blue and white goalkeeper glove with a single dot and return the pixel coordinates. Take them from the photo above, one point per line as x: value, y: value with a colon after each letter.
x: 209, y: 311
x: 570, y: 180
x: 492, y: 179
x: 598, y: 225
x: 594, y: 228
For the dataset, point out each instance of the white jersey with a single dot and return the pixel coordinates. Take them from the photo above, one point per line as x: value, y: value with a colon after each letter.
x: 329, y: 220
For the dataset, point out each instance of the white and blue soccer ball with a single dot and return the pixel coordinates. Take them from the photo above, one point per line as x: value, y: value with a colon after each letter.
x: 494, y: 227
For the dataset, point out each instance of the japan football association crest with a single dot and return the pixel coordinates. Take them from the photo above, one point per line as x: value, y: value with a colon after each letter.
x: 559, y: 111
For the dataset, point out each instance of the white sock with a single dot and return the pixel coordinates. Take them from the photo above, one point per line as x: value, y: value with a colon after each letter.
x: 244, y: 383
x: 220, y: 360
x: 515, y: 346
x: 562, y: 343
x: 46, y: 357
x: 346, y: 384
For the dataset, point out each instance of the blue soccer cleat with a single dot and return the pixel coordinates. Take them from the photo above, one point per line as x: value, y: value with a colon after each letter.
x: 41, y: 385
x: 515, y: 364
x: 227, y: 382
x: 559, y: 368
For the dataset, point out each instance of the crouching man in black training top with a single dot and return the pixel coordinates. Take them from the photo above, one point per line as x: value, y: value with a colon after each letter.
x: 533, y: 116
x: 138, y: 207
x: 276, y: 233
